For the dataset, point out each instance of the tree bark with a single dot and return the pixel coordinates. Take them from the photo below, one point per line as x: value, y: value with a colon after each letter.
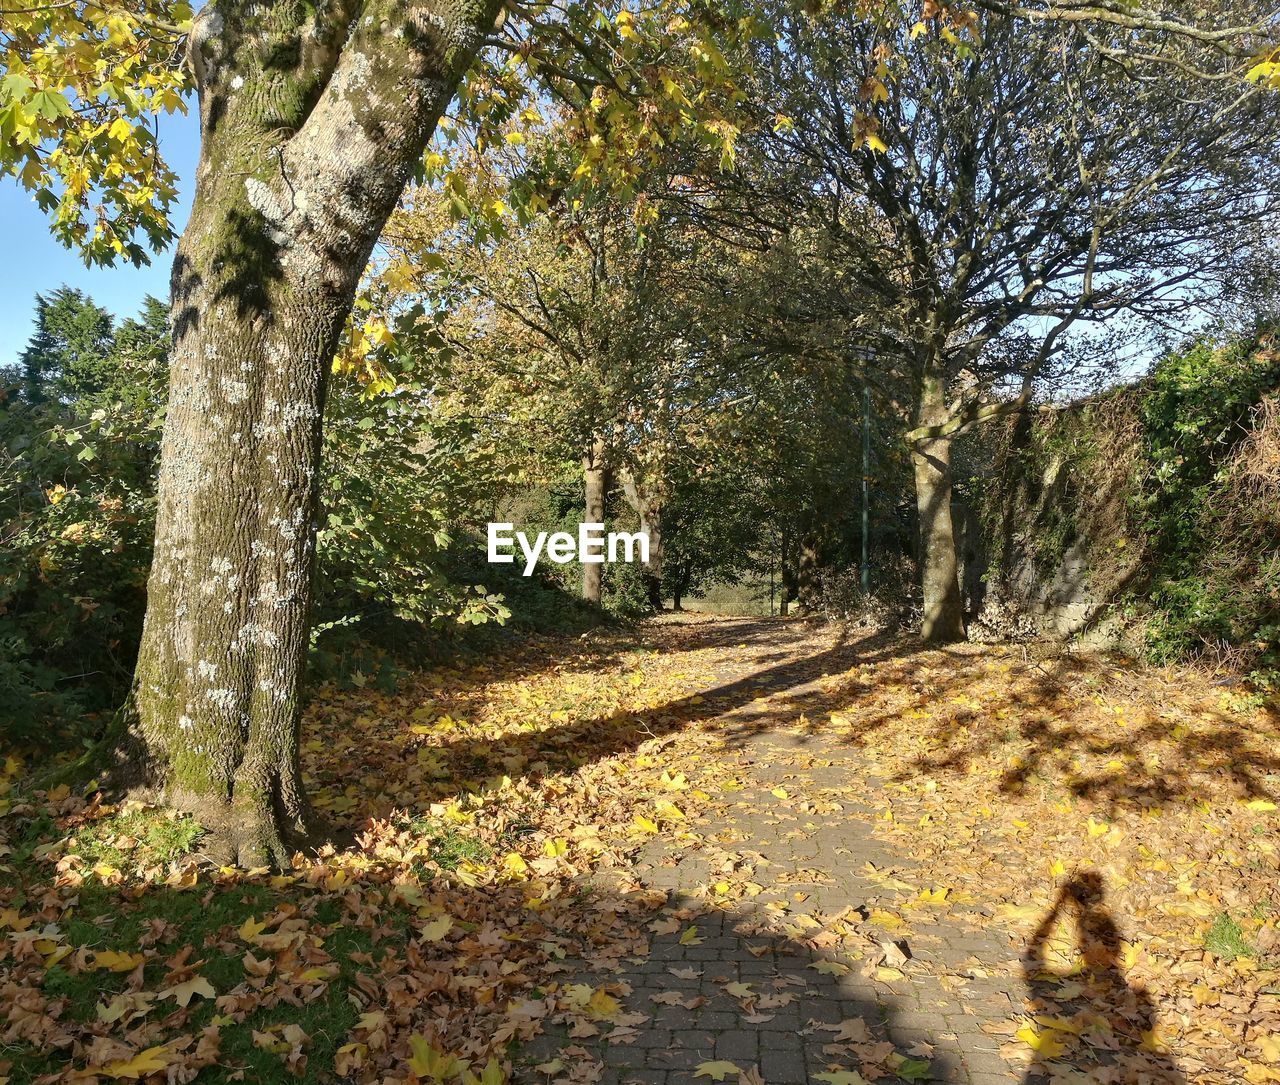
x: 595, y: 482
x: 648, y: 509
x: 806, y: 580
x: 311, y: 121
x: 651, y: 521
x: 786, y: 575
x: 943, y: 620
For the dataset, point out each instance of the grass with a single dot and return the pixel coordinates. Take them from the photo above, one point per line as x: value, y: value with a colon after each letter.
x: 449, y: 849
x: 207, y: 919
x: 1226, y: 939
x: 114, y: 841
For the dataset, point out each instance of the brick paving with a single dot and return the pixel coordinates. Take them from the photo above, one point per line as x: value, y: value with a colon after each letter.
x: 815, y: 864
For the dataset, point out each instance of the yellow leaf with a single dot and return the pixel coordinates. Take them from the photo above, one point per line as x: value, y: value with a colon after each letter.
x: 428, y: 1062
x: 885, y: 920
x: 150, y: 1061
x: 602, y: 1006
x: 644, y: 824
x: 250, y: 929
x: 1262, y: 806
x: 117, y: 962
x: 779, y: 793
x: 183, y: 993
x: 553, y: 849
x: 716, y: 1069
x: 666, y: 808
x: 690, y: 937
x: 1045, y: 1043
x: 512, y: 863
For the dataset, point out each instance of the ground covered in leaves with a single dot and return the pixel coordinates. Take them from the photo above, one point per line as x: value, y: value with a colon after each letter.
x: 703, y: 849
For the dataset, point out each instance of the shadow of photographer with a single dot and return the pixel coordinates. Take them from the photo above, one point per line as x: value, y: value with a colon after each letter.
x: 1091, y: 1023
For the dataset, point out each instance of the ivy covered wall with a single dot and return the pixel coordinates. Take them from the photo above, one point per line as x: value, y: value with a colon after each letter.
x: 1150, y: 513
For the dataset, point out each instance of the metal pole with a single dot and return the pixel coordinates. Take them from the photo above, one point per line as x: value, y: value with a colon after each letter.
x: 866, y: 488
x: 771, y: 582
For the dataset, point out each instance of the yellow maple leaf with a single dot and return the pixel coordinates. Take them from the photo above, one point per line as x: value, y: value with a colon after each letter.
x: 150, y: 1061
x: 644, y: 824
x: 116, y: 962
x: 716, y: 1069
x: 1044, y: 1043
x: 429, y: 1062
x: 183, y: 993
x: 602, y: 1006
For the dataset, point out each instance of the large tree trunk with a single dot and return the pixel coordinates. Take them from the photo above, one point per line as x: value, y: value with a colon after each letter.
x: 943, y: 620
x: 595, y: 483
x: 311, y: 124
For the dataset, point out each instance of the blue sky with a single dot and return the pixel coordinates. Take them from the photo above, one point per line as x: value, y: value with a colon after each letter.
x: 34, y: 263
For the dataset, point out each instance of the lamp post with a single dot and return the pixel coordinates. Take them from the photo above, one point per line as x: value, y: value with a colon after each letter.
x: 866, y: 355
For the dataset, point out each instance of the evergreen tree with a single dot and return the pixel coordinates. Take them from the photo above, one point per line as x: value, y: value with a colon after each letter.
x: 70, y: 350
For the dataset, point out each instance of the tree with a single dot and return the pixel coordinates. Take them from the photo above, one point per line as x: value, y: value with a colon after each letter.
x: 987, y: 198
x: 313, y: 118
x: 68, y: 353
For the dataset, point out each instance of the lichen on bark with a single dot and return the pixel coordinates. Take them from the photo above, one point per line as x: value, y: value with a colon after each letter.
x: 307, y: 144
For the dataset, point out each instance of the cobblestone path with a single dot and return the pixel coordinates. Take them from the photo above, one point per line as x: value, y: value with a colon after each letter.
x: 751, y: 984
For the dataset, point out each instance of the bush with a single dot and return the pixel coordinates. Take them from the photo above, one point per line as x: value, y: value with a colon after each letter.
x: 1168, y: 491
x: 76, y: 521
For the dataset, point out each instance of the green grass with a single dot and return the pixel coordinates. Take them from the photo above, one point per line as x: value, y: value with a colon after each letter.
x: 207, y: 920
x: 448, y: 848
x: 1226, y: 939
x: 116, y: 840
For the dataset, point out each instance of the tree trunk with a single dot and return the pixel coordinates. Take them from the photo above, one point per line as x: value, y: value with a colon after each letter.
x: 648, y: 510
x: 786, y: 575
x: 806, y: 589
x: 310, y: 126
x: 943, y: 620
x: 595, y: 482
x: 651, y: 521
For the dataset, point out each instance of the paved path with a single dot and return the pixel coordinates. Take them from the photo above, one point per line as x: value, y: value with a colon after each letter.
x: 811, y: 975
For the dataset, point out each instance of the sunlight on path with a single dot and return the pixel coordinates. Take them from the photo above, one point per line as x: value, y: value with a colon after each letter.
x: 743, y: 850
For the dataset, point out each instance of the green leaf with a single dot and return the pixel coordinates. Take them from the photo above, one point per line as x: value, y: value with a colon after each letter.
x: 50, y: 104
x: 15, y: 86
